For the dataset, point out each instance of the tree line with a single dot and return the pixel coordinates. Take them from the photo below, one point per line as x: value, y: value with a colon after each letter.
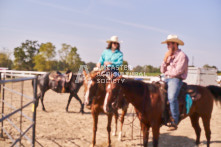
x: 35, y: 56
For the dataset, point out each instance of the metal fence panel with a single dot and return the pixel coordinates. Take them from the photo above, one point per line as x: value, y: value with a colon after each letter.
x: 5, y: 117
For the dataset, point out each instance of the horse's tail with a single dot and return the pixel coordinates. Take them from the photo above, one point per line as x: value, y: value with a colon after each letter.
x: 216, y: 91
x: 32, y: 83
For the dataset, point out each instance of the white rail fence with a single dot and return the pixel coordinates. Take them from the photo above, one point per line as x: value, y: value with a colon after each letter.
x: 196, y: 76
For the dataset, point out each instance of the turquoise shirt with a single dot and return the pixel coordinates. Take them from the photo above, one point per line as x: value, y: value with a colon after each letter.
x: 116, y: 57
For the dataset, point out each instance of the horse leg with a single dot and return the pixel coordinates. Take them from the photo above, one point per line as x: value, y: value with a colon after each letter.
x: 195, y: 123
x: 206, y: 124
x: 37, y: 99
x: 116, y: 119
x: 145, y: 134
x: 122, y: 122
x: 82, y: 105
x: 42, y: 101
x: 95, y: 121
x: 109, y: 129
x: 69, y: 100
x: 156, y: 133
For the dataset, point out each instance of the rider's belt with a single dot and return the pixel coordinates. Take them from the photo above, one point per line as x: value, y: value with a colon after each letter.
x: 169, y: 77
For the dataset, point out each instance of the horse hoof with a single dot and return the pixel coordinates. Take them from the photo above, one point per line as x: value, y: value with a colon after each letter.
x: 82, y: 111
x: 66, y: 110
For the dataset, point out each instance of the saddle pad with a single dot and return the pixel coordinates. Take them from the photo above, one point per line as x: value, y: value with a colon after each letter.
x: 189, y: 103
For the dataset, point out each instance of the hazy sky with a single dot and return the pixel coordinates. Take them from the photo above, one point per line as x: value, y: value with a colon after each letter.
x: 140, y: 24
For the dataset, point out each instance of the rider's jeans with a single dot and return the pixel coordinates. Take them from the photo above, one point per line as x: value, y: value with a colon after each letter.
x: 174, y: 85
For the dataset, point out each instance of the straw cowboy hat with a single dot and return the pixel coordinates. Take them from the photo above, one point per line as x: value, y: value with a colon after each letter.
x: 113, y: 39
x: 173, y: 38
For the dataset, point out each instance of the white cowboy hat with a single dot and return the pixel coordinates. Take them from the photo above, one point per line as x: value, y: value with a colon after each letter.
x: 173, y: 38
x: 113, y: 39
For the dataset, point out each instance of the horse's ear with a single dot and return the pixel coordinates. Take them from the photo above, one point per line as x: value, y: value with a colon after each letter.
x: 84, y: 73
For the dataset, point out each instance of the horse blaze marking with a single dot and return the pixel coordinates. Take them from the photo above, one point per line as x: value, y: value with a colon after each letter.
x: 108, y: 87
x: 105, y: 100
x: 87, y: 93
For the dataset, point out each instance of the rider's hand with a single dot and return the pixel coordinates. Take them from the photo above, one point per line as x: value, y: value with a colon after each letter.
x: 107, y: 63
x: 168, y: 53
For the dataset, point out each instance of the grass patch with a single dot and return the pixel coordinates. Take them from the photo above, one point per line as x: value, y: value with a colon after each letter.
x: 153, y: 74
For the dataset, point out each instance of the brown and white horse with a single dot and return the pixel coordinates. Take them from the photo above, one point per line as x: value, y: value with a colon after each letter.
x: 95, y: 91
x: 146, y: 99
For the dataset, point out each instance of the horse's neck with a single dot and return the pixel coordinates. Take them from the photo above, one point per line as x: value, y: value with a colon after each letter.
x: 139, y: 101
x: 101, y: 92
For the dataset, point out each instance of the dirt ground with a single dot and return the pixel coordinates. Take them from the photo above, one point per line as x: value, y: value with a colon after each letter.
x: 57, y: 128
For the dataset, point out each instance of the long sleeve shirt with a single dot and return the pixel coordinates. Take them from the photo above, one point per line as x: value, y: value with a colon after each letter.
x: 176, y: 65
x: 116, y: 58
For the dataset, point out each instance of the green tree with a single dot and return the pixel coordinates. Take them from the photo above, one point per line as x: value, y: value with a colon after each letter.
x: 5, y: 60
x: 70, y: 58
x: 40, y: 63
x: 146, y: 69
x: 124, y: 68
x: 24, y: 55
x: 208, y: 66
x: 43, y: 60
x: 90, y: 66
x: 138, y: 68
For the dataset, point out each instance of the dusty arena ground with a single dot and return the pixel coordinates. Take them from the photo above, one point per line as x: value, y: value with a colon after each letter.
x: 57, y: 128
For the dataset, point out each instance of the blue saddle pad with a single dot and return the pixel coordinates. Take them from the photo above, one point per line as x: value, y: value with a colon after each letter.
x: 138, y: 79
x: 189, y: 103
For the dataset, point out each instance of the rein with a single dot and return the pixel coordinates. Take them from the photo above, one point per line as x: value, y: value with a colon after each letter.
x: 145, y: 95
x: 118, y: 95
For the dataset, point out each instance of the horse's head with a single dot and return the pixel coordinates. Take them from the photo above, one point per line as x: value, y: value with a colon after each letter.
x: 58, y: 81
x: 94, y: 83
x: 113, y: 95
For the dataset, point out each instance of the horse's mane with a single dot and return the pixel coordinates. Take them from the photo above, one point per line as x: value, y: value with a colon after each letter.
x: 138, y: 85
x: 129, y: 82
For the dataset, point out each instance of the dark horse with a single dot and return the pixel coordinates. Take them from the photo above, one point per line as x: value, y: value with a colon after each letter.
x: 148, y: 100
x: 68, y: 83
x: 95, y: 89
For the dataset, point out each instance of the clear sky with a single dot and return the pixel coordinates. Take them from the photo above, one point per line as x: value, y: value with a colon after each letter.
x: 140, y: 24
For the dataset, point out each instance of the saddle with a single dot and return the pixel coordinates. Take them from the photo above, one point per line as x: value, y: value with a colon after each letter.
x: 55, y: 76
x: 185, y: 89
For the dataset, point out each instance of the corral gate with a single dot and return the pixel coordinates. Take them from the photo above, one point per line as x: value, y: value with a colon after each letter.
x: 17, y: 140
